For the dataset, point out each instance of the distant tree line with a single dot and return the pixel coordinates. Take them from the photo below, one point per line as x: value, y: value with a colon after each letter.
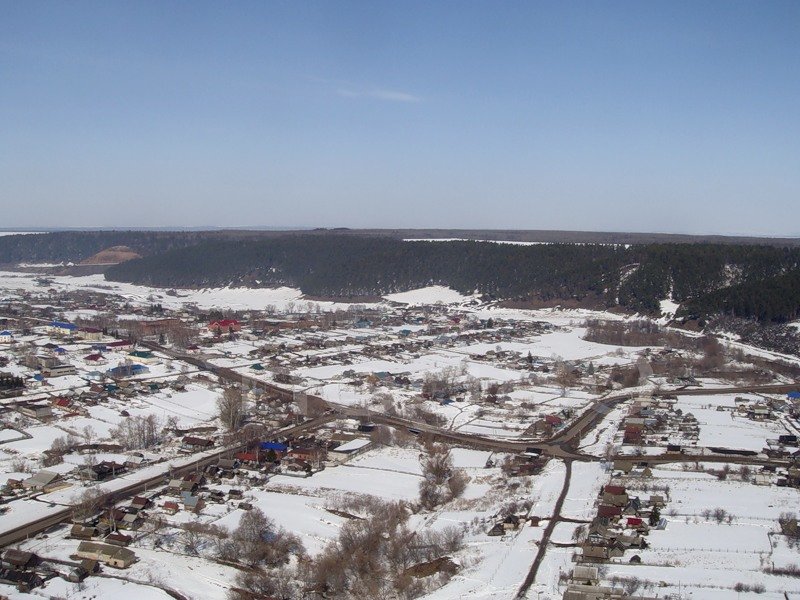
x: 747, y: 281
x: 760, y: 282
x: 75, y: 246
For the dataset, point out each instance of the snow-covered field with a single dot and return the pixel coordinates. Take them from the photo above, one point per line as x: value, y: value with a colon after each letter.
x: 434, y: 294
x: 724, y: 428
x: 301, y: 514
x: 707, y: 556
x: 232, y: 298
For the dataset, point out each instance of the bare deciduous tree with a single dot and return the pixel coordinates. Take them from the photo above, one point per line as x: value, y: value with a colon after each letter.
x: 139, y: 432
x: 232, y: 407
x: 88, y: 504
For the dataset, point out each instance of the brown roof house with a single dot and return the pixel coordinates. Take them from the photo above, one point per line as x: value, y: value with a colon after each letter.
x: 114, y: 556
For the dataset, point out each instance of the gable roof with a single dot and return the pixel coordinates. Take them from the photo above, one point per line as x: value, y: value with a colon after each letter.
x: 224, y: 323
x: 106, y: 551
x: 41, y: 478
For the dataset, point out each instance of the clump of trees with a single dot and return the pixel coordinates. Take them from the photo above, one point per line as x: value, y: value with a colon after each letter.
x: 443, y: 384
x: 441, y: 481
x: 624, y: 376
x: 719, y: 515
x: 418, y: 412
x: 789, y: 527
x: 639, y: 332
x: 181, y: 335
x: 90, y: 502
x: 258, y: 541
x: 374, y: 557
x: 60, y: 446
x: 139, y: 432
x: 757, y: 588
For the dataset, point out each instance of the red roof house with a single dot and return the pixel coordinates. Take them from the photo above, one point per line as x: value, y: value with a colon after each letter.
x: 608, y: 511
x: 224, y: 325
x: 553, y: 420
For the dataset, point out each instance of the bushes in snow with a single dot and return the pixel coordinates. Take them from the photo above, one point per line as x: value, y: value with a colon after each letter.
x: 441, y: 481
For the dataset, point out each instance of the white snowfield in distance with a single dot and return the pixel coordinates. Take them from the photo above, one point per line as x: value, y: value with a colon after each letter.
x: 434, y: 294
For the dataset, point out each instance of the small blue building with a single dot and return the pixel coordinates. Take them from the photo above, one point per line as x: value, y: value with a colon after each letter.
x: 276, y: 446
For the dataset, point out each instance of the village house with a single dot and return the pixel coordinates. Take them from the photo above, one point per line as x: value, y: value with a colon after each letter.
x: 59, y: 370
x: 348, y: 450
x: 608, y: 511
x: 132, y: 461
x: 585, y: 575
x: 595, y: 552
x: 19, y: 559
x: 140, y: 502
x: 90, y: 334
x: 195, y: 444
x: 614, y: 495
x: 35, y: 410
x: 496, y: 530
x: 62, y: 403
x: 42, y: 481
x: 117, y: 518
x: 18, y: 568
x: 102, y: 471
x: 82, y: 532
x: 593, y: 592
x: 633, y: 434
x: 126, y: 370
x: 308, y: 452
x: 95, y: 358
x: 192, y: 503
x: 144, y: 357
x: 223, y: 326
x: 62, y: 328
x: 114, y: 556
x: 118, y: 539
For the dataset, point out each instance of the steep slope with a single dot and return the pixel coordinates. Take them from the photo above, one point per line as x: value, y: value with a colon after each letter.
x: 112, y: 256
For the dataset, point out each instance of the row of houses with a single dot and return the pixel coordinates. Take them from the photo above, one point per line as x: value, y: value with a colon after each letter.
x: 622, y: 523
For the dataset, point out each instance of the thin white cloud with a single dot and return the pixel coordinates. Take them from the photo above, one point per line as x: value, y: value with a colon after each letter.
x: 393, y: 96
x: 379, y: 94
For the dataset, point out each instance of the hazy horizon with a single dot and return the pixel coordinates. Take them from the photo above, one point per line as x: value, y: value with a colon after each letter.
x: 310, y: 229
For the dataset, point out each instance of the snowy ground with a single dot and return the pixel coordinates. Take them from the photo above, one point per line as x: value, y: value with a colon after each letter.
x: 706, y: 558
x: 501, y: 564
x: 723, y: 428
x: 430, y: 295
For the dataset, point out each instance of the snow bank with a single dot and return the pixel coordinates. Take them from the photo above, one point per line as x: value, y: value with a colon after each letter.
x: 428, y: 295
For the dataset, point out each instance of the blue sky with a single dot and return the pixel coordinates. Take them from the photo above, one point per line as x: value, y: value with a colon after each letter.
x: 614, y: 116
